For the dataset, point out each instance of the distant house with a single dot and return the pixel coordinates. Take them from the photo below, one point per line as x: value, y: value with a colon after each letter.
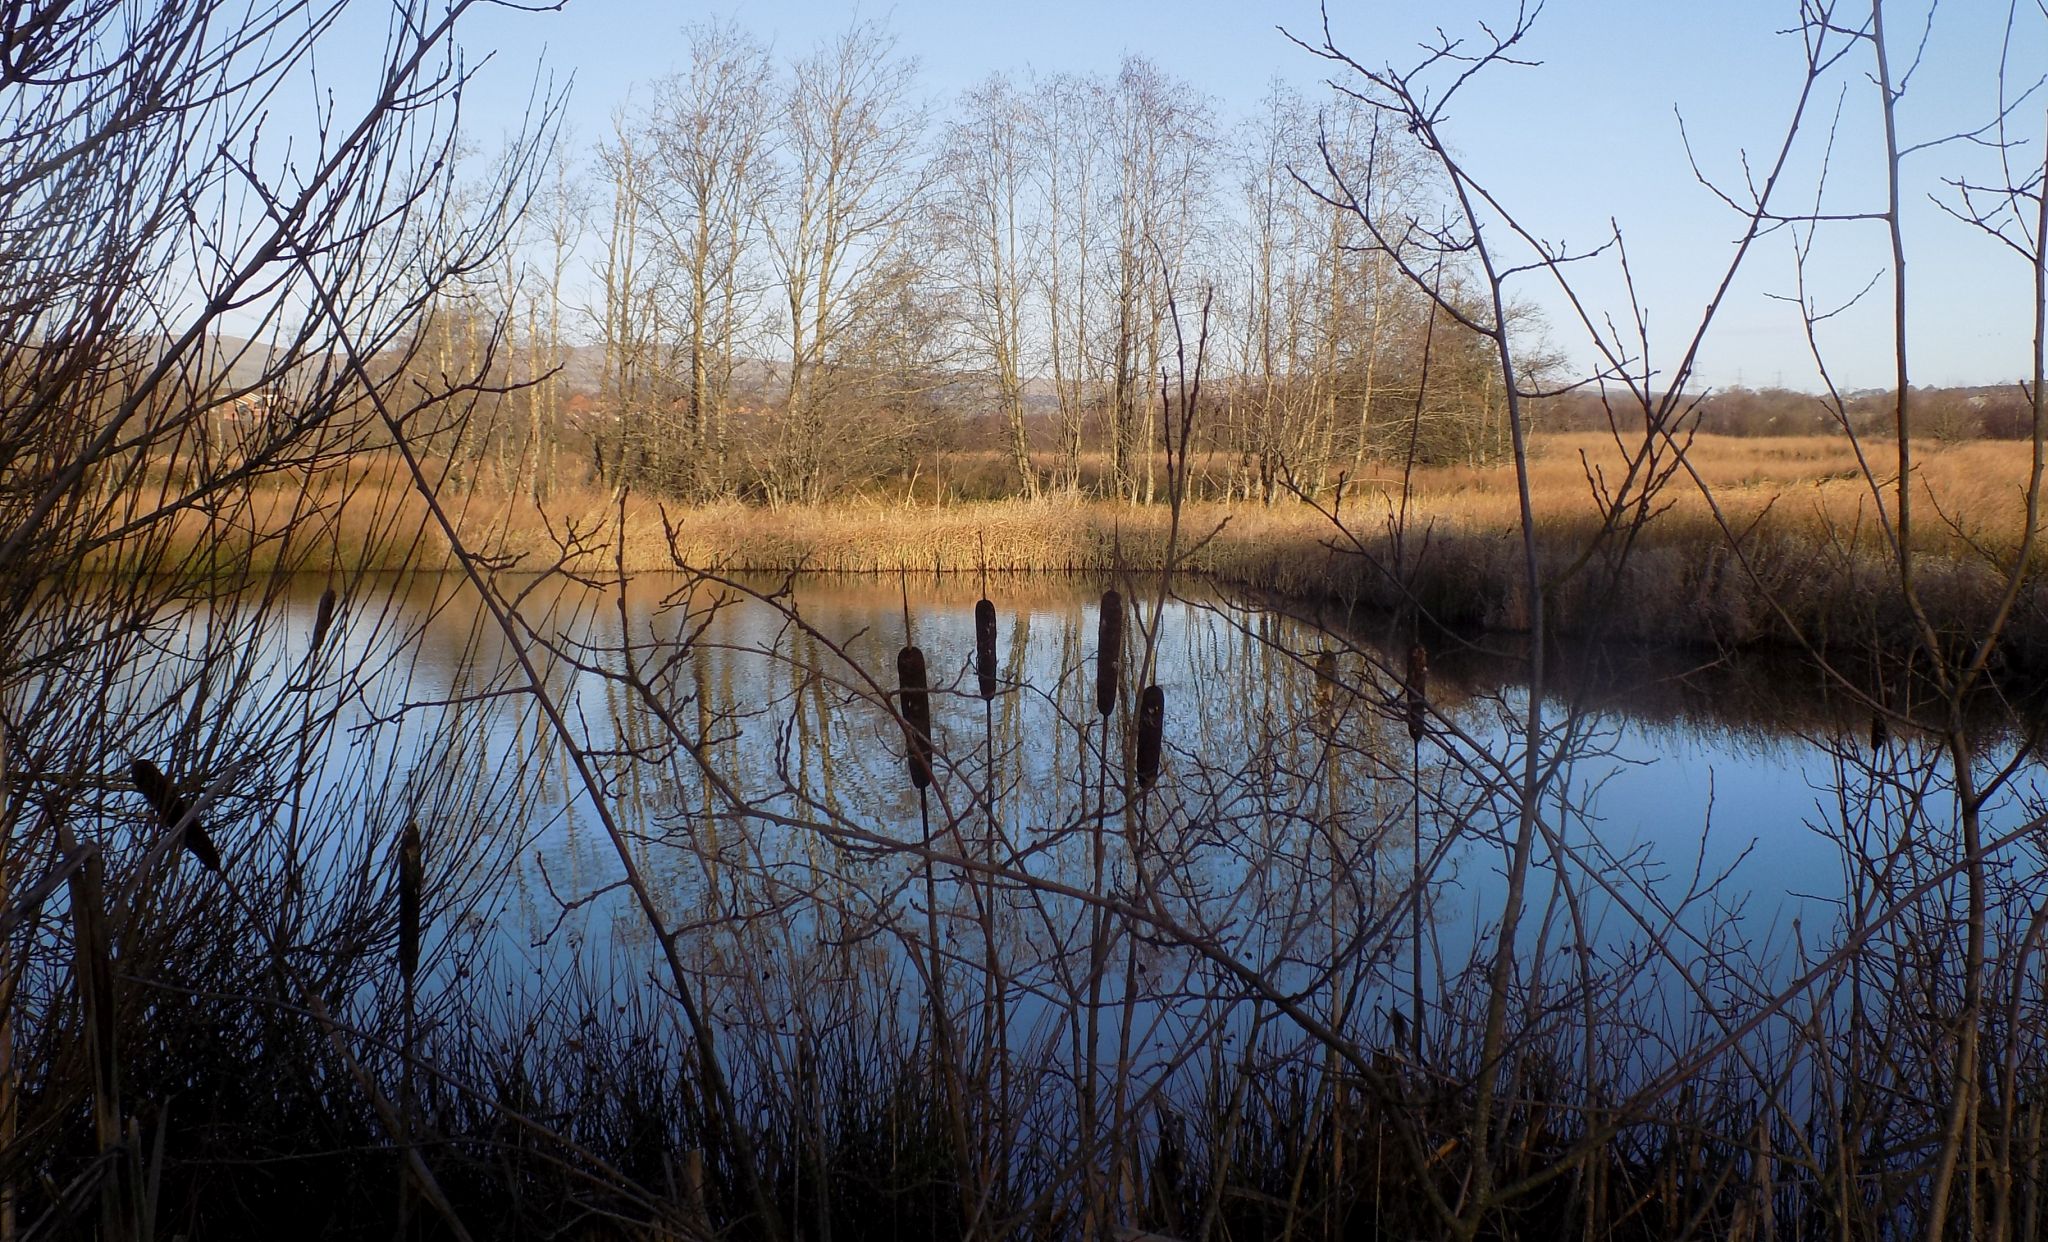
x: 250, y: 418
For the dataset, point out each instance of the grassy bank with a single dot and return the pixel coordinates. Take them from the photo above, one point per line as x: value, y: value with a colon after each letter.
x: 1756, y: 541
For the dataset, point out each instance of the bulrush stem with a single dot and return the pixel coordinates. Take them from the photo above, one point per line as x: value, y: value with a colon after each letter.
x: 994, y: 995
x: 1109, y: 658
x: 9, y: 1104
x: 913, y: 696
x: 1418, y: 728
x: 93, y: 973
x: 411, y: 890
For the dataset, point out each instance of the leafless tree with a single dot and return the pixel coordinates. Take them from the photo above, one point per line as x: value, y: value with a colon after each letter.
x: 181, y: 280
x: 1157, y: 142
x: 994, y: 238
x: 711, y: 132
x: 1066, y: 132
x: 853, y: 180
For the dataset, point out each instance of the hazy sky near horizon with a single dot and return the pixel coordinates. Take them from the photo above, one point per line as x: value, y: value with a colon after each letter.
x: 1589, y: 134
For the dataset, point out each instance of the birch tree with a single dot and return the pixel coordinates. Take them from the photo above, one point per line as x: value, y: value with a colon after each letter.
x: 994, y: 242
x: 710, y: 139
x: 625, y: 326
x: 852, y: 182
x: 1160, y: 140
x: 1068, y: 141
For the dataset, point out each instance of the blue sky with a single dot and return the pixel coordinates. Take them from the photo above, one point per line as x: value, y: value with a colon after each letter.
x: 1589, y: 134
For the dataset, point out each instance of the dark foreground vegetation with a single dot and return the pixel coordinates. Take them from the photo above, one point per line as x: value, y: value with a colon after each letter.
x: 278, y: 957
x: 290, y: 1030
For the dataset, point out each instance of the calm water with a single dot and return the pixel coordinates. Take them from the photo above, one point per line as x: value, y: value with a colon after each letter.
x: 742, y: 752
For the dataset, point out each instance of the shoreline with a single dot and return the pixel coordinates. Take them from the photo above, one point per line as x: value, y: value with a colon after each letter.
x: 1812, y: 561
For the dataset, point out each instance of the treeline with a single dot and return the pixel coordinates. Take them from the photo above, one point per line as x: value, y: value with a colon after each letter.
x: 1018, y: 275
x: 1962, y: 413
x: 787, y: 279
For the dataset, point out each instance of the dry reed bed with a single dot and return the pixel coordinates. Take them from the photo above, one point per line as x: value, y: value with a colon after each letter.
x: 1789, y: 549
x: 1794, y: 555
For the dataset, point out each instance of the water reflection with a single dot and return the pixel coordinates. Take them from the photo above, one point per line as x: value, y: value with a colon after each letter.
x: 739, y: 745
x: 673, y: 821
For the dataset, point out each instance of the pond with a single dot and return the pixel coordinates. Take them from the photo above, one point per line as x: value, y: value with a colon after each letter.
x: 726, y: 757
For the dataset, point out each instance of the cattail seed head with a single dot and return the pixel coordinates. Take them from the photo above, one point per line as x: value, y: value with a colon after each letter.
x: 1151, y: 727
x: 1109, y: 655
x: 411, y: 887
x: 985, y: 647
x: 323, y: 617
x: 1418, y: 692
x: 173, y: 808
x: 914, y: 698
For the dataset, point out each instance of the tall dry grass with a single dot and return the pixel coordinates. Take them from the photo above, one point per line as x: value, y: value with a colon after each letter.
x: 1755, y: 541
x: 1810, y: 487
